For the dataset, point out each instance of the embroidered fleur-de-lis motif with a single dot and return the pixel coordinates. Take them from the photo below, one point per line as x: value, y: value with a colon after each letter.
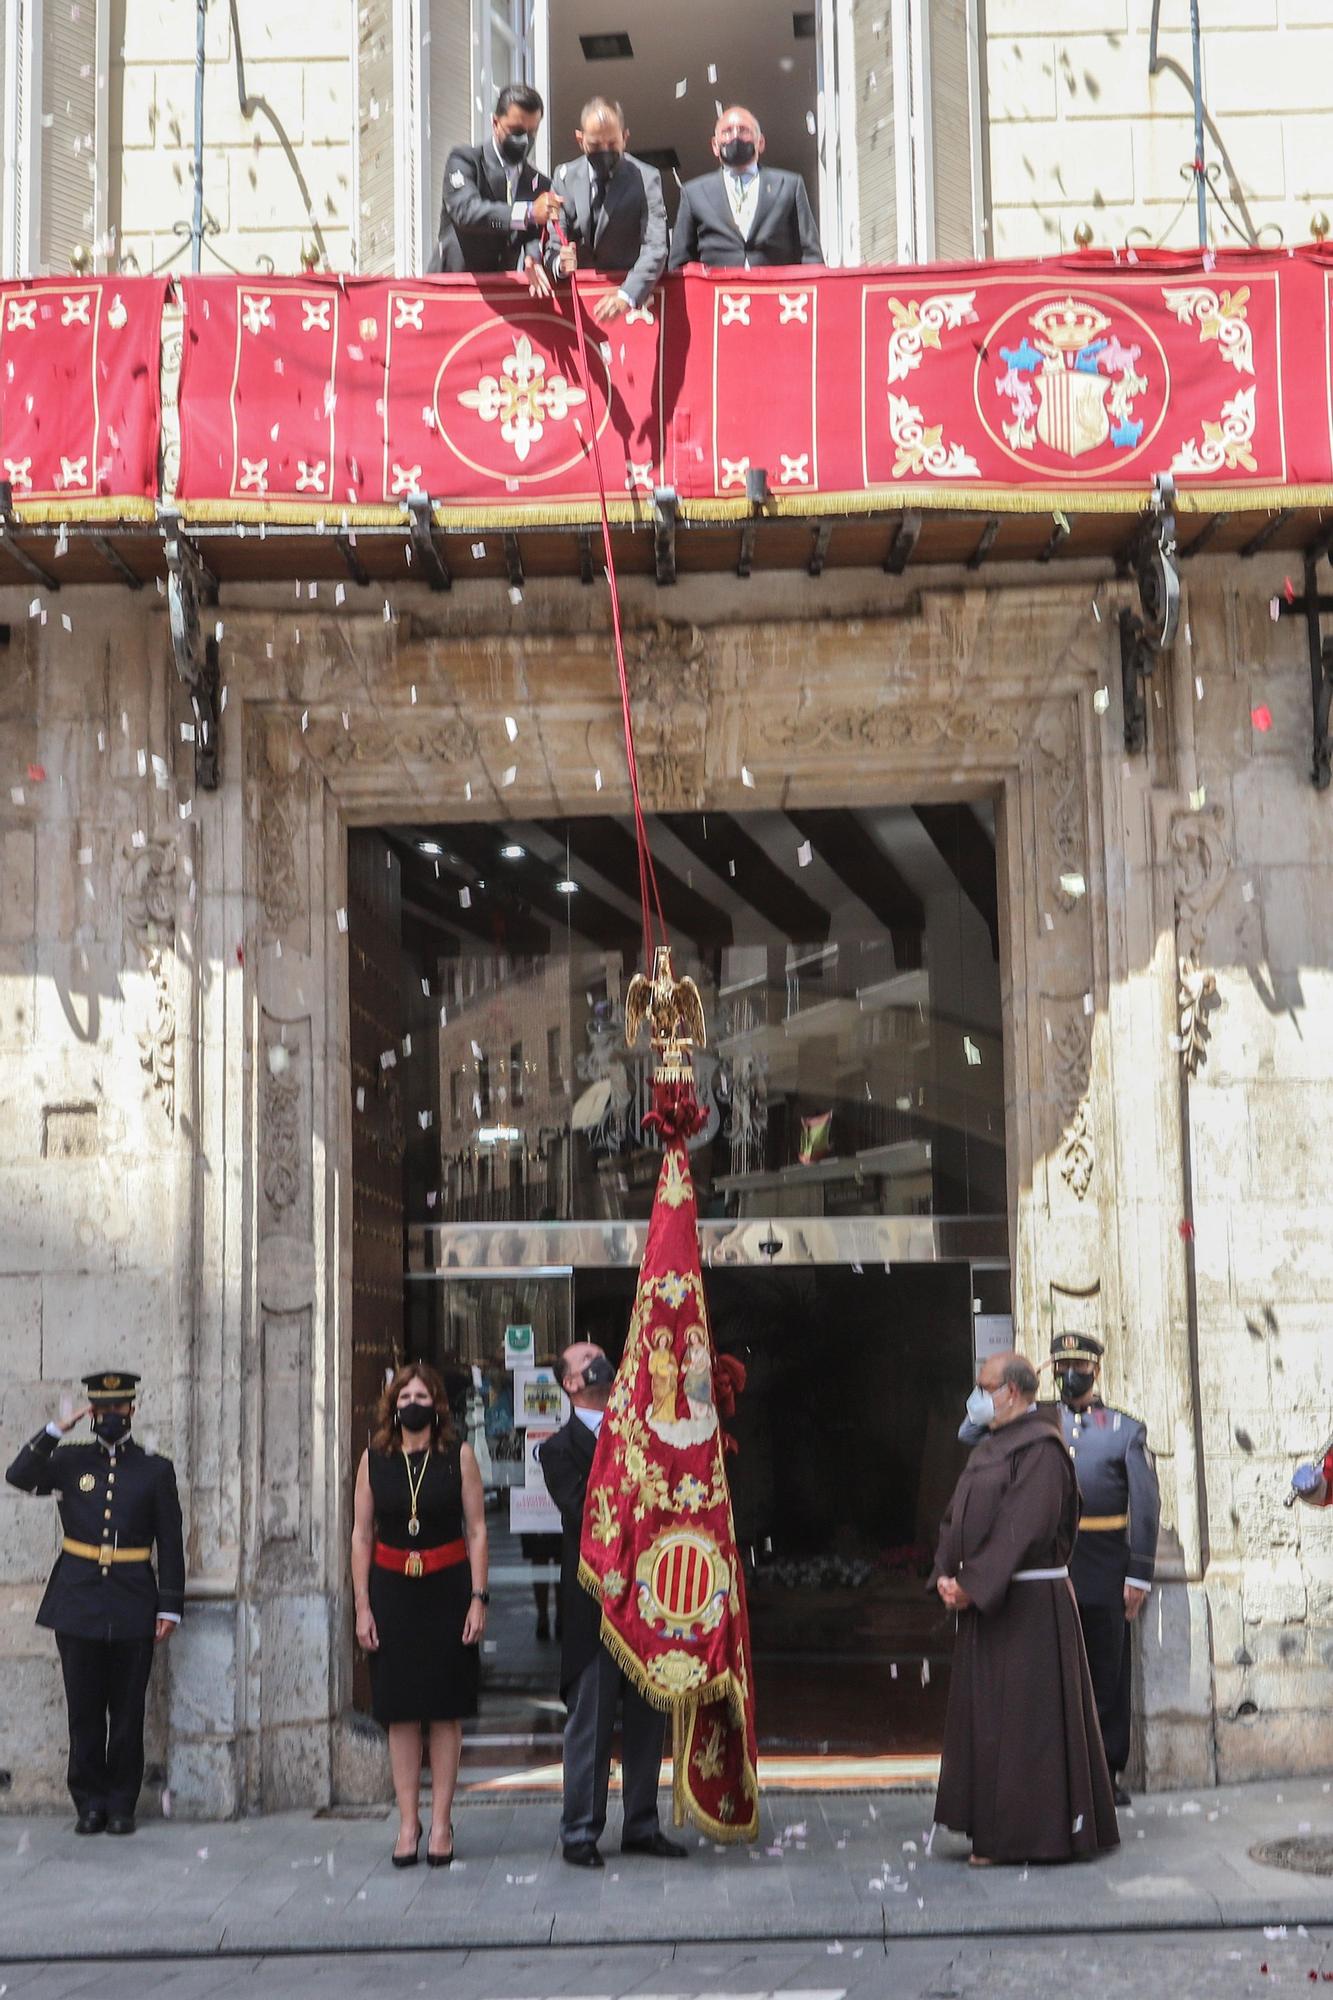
x: 256, y: 311
x: 74, y: 309
x: 735, y: 308
x: 642, y: 315
x: 734, y: 471
x: 408, y: 313
x: 316, y: 315
x: 406, y: 479
x: 254, y: 474
x: 22, y: 316
x: 18, y: 471
x: 308, y: 475
x: 795, y: 471
x: 639, y: 476
x: 522, y: 398
x: 793, y: 307
x: 73, y: 471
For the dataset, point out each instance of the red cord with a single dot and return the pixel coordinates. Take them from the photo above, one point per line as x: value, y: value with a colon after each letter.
x: 649, y: 895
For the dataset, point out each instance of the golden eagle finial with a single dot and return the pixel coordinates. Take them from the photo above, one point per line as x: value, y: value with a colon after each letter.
x: 674, y: 1008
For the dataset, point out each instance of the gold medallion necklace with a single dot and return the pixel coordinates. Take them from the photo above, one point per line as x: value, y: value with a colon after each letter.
x: 414, y: 1489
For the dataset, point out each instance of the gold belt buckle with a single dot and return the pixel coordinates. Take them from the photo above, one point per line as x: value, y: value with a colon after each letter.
x: 104, y: 1556
x: 414, y: 1565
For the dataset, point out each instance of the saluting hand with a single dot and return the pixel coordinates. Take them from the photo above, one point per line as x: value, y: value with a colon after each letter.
x: 68, y: 1423
x: 367, y: 1637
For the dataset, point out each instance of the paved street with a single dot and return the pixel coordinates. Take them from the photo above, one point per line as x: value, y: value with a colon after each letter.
x: 1206, y: 1965
x: 847, y: 1870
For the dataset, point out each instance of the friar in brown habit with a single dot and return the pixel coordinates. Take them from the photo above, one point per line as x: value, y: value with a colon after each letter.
x: 1022, y: 1771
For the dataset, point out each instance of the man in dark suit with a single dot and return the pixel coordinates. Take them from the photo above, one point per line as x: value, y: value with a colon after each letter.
x: 591, y: 1683
x: 614, y: 216
x: 747, y: 214
x: 495, y: 203
x: 103, y: 1602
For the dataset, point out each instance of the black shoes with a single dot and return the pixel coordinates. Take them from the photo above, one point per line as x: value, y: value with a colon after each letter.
x: 1122, y: 1797
x: 91, y: 1820
x: 120, y: 1823
x: 583, y: 1854
x: 441, y: 1860
x: 408, y: 1860
x: 657, y: 1845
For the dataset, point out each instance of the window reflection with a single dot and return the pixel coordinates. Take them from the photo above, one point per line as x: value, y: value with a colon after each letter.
x: 847, y: 963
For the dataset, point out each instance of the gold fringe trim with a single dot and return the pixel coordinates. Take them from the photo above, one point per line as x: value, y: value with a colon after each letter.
x: 684, y: 1712
x: 33, y: 513
x: 888, y: 501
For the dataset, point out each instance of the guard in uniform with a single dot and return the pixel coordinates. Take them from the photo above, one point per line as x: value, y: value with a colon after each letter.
x: 103, y: 1602
x: 1113, y: 1560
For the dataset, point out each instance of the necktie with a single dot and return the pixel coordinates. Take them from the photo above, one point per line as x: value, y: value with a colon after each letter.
x: 597, y: 206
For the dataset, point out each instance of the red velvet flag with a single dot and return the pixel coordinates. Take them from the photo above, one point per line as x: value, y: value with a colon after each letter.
x: 659, y: 1544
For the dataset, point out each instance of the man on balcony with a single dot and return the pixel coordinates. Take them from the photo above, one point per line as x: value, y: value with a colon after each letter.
x: 747, y: 214
x: 614, y: 215
x: 496, y: 204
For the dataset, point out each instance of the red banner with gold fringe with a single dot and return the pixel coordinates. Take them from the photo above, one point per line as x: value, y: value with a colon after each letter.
x: 80, y: 397
x: 1066, y: 384
x: 659, y: 1544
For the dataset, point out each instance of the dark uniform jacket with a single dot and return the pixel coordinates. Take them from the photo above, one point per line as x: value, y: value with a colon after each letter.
x: 566, y: 1461
x: 1116, y: 1478
x: 784, y: 229
x: 630, y: 233
x: 477, y: 230
x: 124, y: 1498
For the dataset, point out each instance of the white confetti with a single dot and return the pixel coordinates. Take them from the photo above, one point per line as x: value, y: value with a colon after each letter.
x: 1073, y: 884
x: 680, y: 87
x: 35, y: 607
x: 1197, y: 798
x: 1087, y: 1003
x: 465, y: 899
x: 478, y: 551
x: 511, y: 729
x: 515, y: 594
x: 508, y: 777
x: 388, y: 1059
x: 1101, y: 701
x: 16, y: 793
x: 1198, y: 687
x: 810, y: 125
x: 1097, y: 611
x: 361, y: 1097
x: 597, y: 781
x: 747, y: 776
x: 804, y: 854
x: 342, y: 920
x: 67, y: 621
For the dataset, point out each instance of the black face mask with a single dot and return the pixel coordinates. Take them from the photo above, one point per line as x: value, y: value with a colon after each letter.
x: 111, y: 1426
x: 1075, y: 1384
x: 514, y: 147
x: 737, y: 152
x: 416, y: 1416
x: 604, y: 161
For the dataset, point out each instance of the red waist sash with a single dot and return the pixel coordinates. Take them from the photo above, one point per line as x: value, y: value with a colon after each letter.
x: 420, y: 1562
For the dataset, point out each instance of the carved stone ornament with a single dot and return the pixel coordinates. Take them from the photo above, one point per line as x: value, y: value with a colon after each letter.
x: 1071, y: 1064
x: 1202, y: 861
x: 670, y: 682
x: 895, y: 726
x: 283, y: 1155
x: 150, y: 919
x: 1063, y: 792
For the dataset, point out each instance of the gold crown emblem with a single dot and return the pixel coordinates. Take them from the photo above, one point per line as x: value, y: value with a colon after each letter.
x: 1069, y: 324
x: 111, y: 1381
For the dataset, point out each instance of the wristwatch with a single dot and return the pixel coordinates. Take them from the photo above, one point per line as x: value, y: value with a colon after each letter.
x: 482, y: 1596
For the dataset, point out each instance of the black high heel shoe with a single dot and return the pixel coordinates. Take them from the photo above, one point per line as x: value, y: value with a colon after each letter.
x: 408, y: 1860
x: 441, y: 1860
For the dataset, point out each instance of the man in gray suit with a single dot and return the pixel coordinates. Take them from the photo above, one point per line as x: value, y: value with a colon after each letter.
x: 613, y: 214
x: 748, y: 214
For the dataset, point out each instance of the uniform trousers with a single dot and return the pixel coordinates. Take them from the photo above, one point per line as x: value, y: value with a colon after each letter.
x: 1106, y: 1640
x: 592, y: 1700
x: 106, y: 1684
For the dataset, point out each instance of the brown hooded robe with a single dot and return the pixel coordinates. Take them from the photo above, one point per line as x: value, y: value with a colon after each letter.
x: 1022, y: 1771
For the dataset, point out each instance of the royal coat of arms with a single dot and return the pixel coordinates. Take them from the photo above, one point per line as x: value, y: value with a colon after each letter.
x: 1081, y: 379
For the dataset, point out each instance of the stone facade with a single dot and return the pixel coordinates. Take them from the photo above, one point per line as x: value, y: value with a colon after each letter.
x: 171, y: 1193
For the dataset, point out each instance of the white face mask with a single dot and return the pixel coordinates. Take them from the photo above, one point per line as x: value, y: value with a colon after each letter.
x: 981, y: 1408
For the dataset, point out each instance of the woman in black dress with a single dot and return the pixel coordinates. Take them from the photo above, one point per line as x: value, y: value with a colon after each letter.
x: 419, y: 1563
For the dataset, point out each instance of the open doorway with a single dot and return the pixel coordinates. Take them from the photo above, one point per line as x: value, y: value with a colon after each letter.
x: 760, y: 53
